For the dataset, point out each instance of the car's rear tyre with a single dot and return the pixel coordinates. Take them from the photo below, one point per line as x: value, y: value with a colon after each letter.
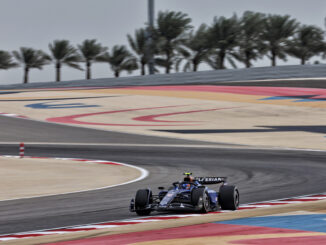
x: 229, y: 197
x: 196, y: 195
x: 142, y: 200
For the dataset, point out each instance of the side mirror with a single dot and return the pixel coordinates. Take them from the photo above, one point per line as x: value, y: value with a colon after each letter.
x: 161, y: 188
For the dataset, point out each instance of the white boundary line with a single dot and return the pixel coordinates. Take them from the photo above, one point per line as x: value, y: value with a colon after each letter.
x: 143, y: 174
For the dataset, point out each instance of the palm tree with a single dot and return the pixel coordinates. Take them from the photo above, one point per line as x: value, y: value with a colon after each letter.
x: 120, y: 60
x: 195, y: 49
x: 90, y: 51
x: 251, y: 45
x: 277, y: 31
x: 307, y: 42
x: 6, y: 61
x: 139, y: 46
x: 169, y: 35
x: 223, y: 38
x: 31, y: 58
x: 64, y: 53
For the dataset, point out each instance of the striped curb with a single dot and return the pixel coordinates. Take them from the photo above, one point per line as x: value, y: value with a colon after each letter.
x: 96, y: 226
x: 21, y: 150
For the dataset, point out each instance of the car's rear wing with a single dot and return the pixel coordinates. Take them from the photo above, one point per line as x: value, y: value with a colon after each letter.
x: 210, y: 180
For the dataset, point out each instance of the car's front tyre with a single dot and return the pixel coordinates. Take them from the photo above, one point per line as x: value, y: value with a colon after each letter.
x: 142, y: 200
x: 200, y: 195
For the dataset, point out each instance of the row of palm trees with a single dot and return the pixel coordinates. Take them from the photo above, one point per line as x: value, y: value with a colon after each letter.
x: 242, y: 39
x: 246, y: 39
x: 63, y: 53
x: 236, y: 39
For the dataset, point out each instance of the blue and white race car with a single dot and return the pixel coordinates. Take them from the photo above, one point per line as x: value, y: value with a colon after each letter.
x: 189, y: 195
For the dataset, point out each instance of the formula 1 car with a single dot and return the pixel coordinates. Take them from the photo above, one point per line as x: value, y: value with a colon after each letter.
x: 189, y: 195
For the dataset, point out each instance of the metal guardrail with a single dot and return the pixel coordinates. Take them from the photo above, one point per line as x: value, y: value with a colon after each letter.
x: 201, y: 77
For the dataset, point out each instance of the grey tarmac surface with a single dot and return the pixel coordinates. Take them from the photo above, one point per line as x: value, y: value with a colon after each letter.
x: 259, y: 174
x: 19, y: 130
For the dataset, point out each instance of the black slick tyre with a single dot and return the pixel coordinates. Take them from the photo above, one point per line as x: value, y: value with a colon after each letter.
x: 142, y: 200
x: 196, y: 195
x: 229, y: 197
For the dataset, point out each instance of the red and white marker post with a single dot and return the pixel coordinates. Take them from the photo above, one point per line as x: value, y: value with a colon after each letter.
x: 21, y: 150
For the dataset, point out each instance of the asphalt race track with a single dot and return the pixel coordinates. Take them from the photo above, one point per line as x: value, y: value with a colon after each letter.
x: 259, y: 173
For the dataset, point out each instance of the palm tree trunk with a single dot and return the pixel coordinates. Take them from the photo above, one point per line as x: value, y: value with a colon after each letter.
x: 26, y: 71
x: 88, y: 70
x: 167, y: 68
x: 221, y: 59
x: 273, y: 58
x: 58, y: 72
x: 167, y: 65
x: 303, y: 61
x: 195, y: 66
x: 143, y: 69
x: 247, y: 61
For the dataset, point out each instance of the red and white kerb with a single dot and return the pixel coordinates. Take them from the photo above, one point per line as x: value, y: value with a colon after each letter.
x: 21, y: 150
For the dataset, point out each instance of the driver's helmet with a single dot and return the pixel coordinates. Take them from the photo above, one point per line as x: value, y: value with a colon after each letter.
x: 189, y: 179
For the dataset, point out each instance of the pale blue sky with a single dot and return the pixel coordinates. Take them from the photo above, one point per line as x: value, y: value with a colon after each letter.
x: 35, y: 23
